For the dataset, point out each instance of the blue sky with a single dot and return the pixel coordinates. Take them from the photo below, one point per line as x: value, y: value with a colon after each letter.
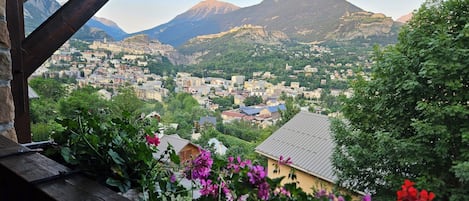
x: 137, y: 15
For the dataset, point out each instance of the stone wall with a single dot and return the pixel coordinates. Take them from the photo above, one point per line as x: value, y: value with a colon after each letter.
x: 7, y: 108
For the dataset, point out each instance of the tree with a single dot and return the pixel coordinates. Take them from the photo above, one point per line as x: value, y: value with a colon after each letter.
x: 126, y: 102
x: 169, y: 84
x: 411, y: 119
x: 82, y: 102
x: 252, y: 100
x: 48, y: 88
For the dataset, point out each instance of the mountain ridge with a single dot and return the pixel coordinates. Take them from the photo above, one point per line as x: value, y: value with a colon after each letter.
x: 176, y: 31
x: 302, y: 20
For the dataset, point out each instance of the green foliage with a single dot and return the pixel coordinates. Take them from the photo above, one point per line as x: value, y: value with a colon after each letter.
x: 410, y: 120
x: 83, y: 101
x: 224, y: 103
x: 289, y: 113
x: 126, y: 101
x: 115, y: 152
x: 79, y: 44
x: 169, y: 84
x: 43, y: 131
x: 48, y: 88
x: 252, y: 100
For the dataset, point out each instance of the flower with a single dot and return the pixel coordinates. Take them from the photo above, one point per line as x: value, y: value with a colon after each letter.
x: 208, y: 189
x: 367, y: 197
x: 256, y: 174
x: 153, y: 140
x: 409, y: 193
x: 282, y: 191
x: 200, y: 167
x: 235, y: 166
x: 287, y: 161
x: 172, y: 179
x: 263, y: 191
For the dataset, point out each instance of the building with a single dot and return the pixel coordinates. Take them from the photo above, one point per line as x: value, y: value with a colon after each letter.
x: 184, y: 148
x: 307, y: 140
x: 217, y: 146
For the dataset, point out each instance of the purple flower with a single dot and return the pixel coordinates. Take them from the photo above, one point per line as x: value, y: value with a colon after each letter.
x: 208, y: 189
x: 200, y: 167
x: 321, y: 193
x: 287, y: 161
x: 367, y: 197
x: 172, y: 179
x: 236, y: 166
x: 256, y: 174
x: 263, y: 192
x: 340, y: 198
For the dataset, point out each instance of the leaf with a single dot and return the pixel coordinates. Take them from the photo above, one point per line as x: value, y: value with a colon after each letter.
x: 67, y: 155
x: 123, y: 186
x: 173, y: 155
x: 115, y: 157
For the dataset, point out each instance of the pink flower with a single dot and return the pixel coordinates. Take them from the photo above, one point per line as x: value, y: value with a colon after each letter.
x: 208, y: 189
x: 153, y: 140
x: 367, y: 197
x: 287, y: 161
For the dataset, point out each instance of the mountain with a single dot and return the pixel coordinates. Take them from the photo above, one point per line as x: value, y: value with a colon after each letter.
x: 108, y: 26
x: 239, y: 40
x: 405, y: 18
x: 191, y: 23
x: 301, y: 20
x: 365, y: 25
x: 37, y: 11
x: 206, y: 9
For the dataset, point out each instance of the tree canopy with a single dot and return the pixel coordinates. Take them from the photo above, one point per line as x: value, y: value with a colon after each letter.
x: 411, y: 119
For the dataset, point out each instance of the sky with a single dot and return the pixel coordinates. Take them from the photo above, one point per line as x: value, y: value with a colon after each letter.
x: 137, y: 15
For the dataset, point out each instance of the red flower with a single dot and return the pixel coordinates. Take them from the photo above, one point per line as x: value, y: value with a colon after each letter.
x: 410, y: 193
x: 152, y: 140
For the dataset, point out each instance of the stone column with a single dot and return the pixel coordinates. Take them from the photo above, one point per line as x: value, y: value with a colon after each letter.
x: 7, y: 108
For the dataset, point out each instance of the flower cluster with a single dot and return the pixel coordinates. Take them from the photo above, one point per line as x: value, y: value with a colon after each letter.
x: 153, y: 140
x: 237, y: 165
x: 200, y: 167
x: 324, y: 195
x: 282, y: 161
x: 409, y: 193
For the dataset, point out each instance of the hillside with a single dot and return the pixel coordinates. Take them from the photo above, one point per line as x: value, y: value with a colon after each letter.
x: 240, y: 40
x: 365, y: 26
x: 191, y: 23
x: 303, y: 20
x: 108, y: 26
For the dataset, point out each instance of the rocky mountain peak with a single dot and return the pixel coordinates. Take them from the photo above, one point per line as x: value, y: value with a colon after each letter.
x: 206, y: 9
x: 405, y: 18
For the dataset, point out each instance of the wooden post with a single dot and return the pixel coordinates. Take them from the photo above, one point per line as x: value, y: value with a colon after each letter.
x: 28, y: 54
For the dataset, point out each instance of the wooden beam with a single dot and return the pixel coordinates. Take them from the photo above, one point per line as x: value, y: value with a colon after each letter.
x: 56, y: 30
x: 19, y: 85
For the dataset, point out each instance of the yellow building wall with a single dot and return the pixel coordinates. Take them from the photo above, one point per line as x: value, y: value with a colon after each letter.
x: 309, y: 183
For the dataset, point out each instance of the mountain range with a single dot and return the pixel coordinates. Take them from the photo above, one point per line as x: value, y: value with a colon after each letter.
x: 301, y: 20
x: 37, y: 11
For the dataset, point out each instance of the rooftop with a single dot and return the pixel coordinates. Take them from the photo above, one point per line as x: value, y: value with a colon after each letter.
x: 306, y: 138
